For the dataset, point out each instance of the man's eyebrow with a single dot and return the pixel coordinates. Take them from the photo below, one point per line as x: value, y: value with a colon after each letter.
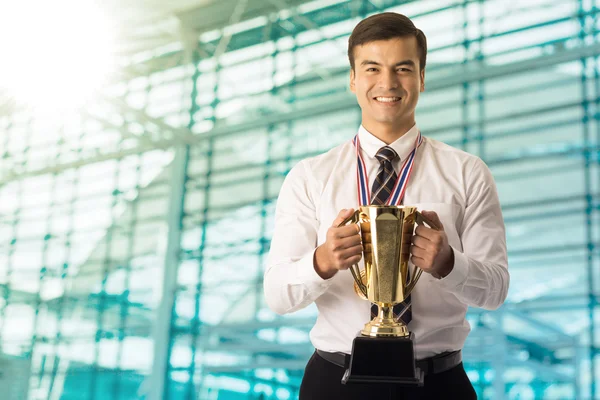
x: 403, y: 62
x: 369, y: 62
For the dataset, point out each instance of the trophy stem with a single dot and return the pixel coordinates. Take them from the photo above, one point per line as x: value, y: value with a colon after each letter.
x: 385, y: 313
x: 384, y: 324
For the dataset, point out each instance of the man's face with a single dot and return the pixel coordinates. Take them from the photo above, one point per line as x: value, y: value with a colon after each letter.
x: 387, y: 82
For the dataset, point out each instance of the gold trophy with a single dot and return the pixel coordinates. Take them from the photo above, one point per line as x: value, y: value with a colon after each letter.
x: 383, y: 351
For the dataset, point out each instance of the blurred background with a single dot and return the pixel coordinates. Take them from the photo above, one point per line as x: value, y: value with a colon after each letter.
x: 143, y: 144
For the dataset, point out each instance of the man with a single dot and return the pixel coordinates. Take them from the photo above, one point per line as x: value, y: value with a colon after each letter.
x: 465, y: 261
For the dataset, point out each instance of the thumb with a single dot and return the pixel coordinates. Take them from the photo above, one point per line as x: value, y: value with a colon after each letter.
x: 343, y: 214
x: 432, y: 215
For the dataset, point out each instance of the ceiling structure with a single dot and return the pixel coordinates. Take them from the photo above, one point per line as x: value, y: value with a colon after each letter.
x: 159, y: 36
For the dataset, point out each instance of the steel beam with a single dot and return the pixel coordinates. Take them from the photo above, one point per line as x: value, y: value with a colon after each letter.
x: 216, y: 14
x: 164, y: 320
x: 325, y: 105
x: 460, y: 74
x: 177, y: 135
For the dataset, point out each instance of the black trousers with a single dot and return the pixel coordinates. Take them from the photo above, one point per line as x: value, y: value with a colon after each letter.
x: 322, y: 381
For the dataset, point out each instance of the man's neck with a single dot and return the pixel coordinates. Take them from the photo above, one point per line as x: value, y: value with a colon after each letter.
x: 388, y: 133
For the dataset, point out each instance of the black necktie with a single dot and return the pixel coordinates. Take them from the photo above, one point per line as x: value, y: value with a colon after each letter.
x: 380, y: 192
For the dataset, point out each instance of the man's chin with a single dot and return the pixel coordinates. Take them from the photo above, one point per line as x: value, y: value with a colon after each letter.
x: 388, y: 120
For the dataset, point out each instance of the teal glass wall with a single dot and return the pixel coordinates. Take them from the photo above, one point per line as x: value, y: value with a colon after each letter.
x: 134, y: 234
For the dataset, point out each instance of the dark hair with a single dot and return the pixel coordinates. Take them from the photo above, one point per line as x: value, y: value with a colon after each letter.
x: 384, y: 26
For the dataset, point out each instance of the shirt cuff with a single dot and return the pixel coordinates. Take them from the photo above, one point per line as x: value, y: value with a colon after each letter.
x: 307, y: 275
x: 459, y: 272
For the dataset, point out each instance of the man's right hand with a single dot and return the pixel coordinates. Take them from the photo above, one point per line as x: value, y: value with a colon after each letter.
x: 342, y: 247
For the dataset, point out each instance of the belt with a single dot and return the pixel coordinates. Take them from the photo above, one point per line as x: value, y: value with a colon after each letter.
x: 431, y: 365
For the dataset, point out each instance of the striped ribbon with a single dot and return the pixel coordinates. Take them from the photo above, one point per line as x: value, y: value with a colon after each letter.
x: 364, y: 191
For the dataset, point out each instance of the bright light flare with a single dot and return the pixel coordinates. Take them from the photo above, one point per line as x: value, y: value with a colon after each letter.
x: 54, y: 54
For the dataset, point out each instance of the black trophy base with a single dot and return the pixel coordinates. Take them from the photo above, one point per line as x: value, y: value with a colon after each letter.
x: 383, y: 360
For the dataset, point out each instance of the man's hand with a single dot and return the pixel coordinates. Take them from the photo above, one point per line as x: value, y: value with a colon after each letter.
x: 430, y: 250
x: 342, y: 247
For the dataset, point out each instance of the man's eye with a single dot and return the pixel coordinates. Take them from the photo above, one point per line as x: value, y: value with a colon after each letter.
x: 371, y: 69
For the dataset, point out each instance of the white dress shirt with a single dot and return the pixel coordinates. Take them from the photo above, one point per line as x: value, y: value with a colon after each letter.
x: 456, y: 185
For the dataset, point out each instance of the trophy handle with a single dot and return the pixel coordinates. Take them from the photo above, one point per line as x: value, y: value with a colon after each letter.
x: 421, y: 220
x: 356, y: 274
x: 354, y: 218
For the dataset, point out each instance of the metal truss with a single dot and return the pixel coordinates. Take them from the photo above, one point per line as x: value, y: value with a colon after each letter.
x: 170, y: 136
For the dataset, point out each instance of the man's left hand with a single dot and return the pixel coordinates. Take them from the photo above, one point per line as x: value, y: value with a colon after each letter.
x: 430, y: 249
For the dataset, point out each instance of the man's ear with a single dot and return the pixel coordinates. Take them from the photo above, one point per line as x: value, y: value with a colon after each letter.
x: 352, y: 87
x: 422, y: 89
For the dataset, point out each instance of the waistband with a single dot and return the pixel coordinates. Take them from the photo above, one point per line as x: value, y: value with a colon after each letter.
x: 431, y: 365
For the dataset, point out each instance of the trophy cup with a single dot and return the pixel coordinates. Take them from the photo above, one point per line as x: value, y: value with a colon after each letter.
x: 383, y: 351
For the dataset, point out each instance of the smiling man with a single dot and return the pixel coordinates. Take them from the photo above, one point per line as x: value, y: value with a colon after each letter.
x: 464, y: 259
x: 387, y: 77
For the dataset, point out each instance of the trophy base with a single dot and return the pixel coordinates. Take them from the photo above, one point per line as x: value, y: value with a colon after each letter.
x: 383, y: 360
x: 381, y: 328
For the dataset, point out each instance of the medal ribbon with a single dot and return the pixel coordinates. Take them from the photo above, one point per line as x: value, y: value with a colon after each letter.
x: 364, y: 191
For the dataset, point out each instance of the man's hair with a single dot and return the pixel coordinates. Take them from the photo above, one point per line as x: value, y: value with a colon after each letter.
x: 386, y: 26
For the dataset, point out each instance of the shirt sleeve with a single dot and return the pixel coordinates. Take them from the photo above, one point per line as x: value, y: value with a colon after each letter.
x: 291, y: 282
x: 480, y: 275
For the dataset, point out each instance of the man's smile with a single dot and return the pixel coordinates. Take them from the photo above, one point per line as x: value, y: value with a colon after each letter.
x: 387, y: 100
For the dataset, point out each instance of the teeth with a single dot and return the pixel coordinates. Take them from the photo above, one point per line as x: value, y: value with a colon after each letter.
x: 387, y: 99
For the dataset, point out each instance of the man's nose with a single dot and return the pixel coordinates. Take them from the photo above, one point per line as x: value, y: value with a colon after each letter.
x: 389, y: 80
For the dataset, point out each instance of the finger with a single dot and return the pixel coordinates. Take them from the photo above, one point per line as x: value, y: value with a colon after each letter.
x: 350, y: 262
x: 348, y: 257
x: 425, y: 232
x: 418, y: 252
x: 349, y: 242
x: 421, y: 242
x: 432, y: 215
x: 342, y: 215
x: 350, y: 252
x: 346, y: 231
x: 419, y: 262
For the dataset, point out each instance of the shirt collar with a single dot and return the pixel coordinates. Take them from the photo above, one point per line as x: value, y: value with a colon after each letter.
x: 403, y: 145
